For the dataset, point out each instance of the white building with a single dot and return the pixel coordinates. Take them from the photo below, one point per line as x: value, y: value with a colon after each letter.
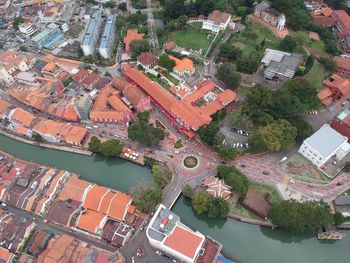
x: 216, y: 21
x: 90, y: 39
x: 26, y: 29
x: 107, y: 40
x: 166, y: 233
x: 323, y: 145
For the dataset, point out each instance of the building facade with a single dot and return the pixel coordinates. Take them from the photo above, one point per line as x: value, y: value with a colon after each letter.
x: 270, y: 15
x: 91, y: 36
x: 216, y: 21
x: 107, y: 40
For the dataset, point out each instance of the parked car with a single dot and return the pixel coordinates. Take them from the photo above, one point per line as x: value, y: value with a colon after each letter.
x: 266, y: 172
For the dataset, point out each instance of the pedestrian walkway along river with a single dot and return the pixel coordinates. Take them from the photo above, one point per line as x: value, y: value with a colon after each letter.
x: 247, y: 243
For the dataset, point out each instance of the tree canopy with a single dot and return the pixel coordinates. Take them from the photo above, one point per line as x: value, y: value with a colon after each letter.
x: 144, y: 132
x: 200, y: 201
x: 150, y: 200
x: 111, y: 148
x: 234, y: 178
x: 275, y: 136
x: 94, y: 144
x: 166, y: 62
x: 139, y: 46
x: 298, y: 218
x: 162, y: 174
x: 218, y: 207
x: 227, y: 73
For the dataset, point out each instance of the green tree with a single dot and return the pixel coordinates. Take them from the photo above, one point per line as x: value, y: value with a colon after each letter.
x: 304, y: 129
x: 230, y: 52
x: 227, y: 153
x: 200, y: 201
x: 288, y: 44
x: 37, y: 137
x: 234, y: 178
x: 94, y: 144
x: 140, y: 189
x: 248, y: 63
x: 17, y: 21
x: 166, y: 62
x: 162, y: 174
x: 111, y: 148
x: 150, y: 200
x: 347, y: 167
x: 109, y: 4
x: 328, y: 63
x: 227, y: 73
x: 218, y: 207
x: 298, y: 218
x: 188, y: 191
x: 174, y: 8
x: 306, y: 93
x: 339, y: 218
x: 139, y: 46
x: 277, y: 136
x: 122, y: 6
x: 210, y: 134
x: 23, y: 48
x: 143, y: 117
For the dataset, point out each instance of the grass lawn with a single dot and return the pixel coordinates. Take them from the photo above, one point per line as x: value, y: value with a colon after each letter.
x: 316, y: 75
x: 241, y: 211
x: 250, y: 39
x: 193, y: 38
x: 171, y: 78
x: 318, y: 45
x: 155, y: 79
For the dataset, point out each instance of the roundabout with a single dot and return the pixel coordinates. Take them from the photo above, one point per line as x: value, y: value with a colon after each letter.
x: 190, y: 162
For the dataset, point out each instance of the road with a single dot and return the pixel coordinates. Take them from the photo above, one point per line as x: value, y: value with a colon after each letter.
x: 77, y: 235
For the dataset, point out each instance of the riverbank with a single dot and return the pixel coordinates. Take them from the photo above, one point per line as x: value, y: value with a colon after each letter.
x: 70, y: 149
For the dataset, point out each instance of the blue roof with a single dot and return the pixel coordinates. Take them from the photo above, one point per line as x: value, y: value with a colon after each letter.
x: 92, y: 30
x: 108, y: 32
x: 224, y: 260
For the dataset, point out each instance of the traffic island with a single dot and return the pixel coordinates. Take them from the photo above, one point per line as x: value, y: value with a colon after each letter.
x: 190, y: 162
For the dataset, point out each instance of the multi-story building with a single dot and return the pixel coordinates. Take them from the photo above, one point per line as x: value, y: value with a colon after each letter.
x: 49, y: 36
x: 26, y: 29
x: 108, y: 37
x: 323, y: 145
x: 342, y: 22
x: 216, y: 21
x: 91, y: 36
x: 343, y: 66
x: 270, y: 15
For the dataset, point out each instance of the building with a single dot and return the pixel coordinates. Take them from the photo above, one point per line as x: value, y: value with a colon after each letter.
x: 341, y: 123
x: 51, y: 70
x: 342, y: 22
x: 216, y: 21
x: 6, y: 256
x: 131, y: 35
x: 26, y: 29
x: 108, y: 107
x: 107, y: 40
x: 279, y: 64
x: 342, y: 205
x: 217, y: 188
x: 312, y: 5
x: 52, y: 13
x: 264, y: 12
x: 343, y: 66
x: 183, y: 66
x: 190, y: 113
x: 335, y: 88
x: 323, y: 145
x: 91, y: 35
x: 257, y: 203
x: 147, y: 60
x: 323, y: 17
x: 49, y: 37
x: 83, y: 106
x: 166, y: 233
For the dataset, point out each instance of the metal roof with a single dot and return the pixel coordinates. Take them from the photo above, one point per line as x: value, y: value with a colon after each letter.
x: 92, y: 30
x: 326, y: 140
x: 108, y: 32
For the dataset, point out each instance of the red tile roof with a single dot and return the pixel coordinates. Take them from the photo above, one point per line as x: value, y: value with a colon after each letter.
x: 131, y: 35
x: 218, y: 17
x: 80, y: 75
x: 147, y: 59
x: 184, y: 242
x: 91, y: 79
x: 343, y: 17
x: 342, y: 62
x: 335, y: 81
x: 90, y: 221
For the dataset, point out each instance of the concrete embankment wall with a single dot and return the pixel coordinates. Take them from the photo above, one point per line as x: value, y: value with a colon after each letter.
x: 71, y: 149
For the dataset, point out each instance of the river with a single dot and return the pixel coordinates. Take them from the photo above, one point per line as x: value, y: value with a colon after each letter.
x: 247, y: 243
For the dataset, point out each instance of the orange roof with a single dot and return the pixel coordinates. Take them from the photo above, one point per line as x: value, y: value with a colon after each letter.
x: 335, y: 81
x: 23, y: 117
x: 94, y: 197
x: 344, y: 18
x: 105, y: 202
x: 119, y: 206
x: 132, y: 209
x: 342, y: 62
x: 117, y: 104
x: 90, y: 221
x: 183, y: 65
x: 4, y: 105
x: 324, y: 93
x: 4, y: 254
x: 73, y: 189
x: 22, y: 130
x: 49, y: 67
x: 80, y: 75
x: 314, y: 36
x: 327, y: 12
x: 184, y: 242
x: 131, y: 35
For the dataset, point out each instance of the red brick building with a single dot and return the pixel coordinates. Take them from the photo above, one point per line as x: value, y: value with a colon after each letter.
x: 343, y: 67
x: 342, y: 22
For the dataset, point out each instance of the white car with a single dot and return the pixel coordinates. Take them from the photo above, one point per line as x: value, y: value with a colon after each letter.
x: 158, y: 252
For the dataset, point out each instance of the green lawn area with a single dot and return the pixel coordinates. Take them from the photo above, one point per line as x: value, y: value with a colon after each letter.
x: 318, y: 45
x: 171, y: 78
x: 316, y: 75
x: 241, y: 211
x: 250, y: 39
x: 273, y: 198
x: 194, y: 38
